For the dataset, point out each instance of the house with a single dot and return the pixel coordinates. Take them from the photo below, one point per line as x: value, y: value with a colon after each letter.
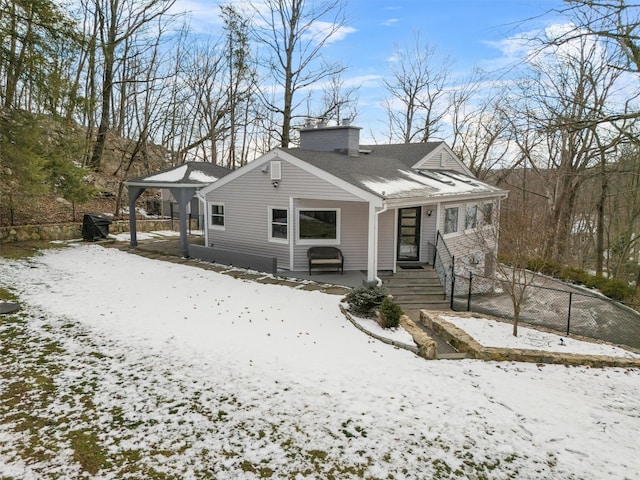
x: 380, y: 204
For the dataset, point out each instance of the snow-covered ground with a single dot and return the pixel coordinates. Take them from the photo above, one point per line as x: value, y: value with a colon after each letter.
x: 491, y: 333
x: 187, y: 373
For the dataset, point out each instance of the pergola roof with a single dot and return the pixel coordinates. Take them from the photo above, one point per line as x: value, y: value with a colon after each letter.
x: 190, y: 174
x: 183, y: 181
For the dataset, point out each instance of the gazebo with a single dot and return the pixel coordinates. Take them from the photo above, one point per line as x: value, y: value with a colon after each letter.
x: 183, y: 182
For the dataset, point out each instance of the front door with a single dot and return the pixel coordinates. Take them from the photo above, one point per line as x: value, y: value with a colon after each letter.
x: 409, y: 234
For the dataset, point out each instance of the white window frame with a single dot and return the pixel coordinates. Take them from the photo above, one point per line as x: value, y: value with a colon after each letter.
x: 224, y: 214
x: 457, y: 231
x: 318, y: 241
x: 466, y: 213
x: 270, y: 224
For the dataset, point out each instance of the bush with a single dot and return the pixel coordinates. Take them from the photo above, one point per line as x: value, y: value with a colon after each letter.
x: 575, y: 275
x: 389, y: 314
x: 543, y: 265
x: 616, y: 289
x: 364, y: 301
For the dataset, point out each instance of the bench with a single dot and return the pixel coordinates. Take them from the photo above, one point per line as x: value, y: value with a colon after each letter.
x: 325, y: 258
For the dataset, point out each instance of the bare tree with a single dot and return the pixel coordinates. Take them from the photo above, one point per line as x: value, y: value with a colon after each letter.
x: 416, y: 87
x: 481, y: 134
x: 294, y: 33
x: 119, y: 21
x: 567, y: 89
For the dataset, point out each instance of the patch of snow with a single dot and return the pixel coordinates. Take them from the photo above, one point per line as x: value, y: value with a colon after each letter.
x: 174, y: 175
x: 414, y: 181
x: 199, y: 176
x: 491, y: 333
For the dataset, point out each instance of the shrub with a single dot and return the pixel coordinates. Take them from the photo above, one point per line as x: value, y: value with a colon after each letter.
x: 543, y: 265
x: 616, y: 289
x: 389, y: 314
x: 364, y: 301
x: 575, y: 275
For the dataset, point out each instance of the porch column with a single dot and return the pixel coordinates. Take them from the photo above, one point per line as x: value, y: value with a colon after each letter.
x: 183, y: 196
x: 372, y: 263
x: 134, y: 193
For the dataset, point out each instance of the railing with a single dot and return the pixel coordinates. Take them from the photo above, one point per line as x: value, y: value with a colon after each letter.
x: 444, y: 264
x: 552, y: 304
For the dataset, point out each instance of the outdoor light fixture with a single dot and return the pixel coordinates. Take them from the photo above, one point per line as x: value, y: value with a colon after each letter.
x: 429, y: 212
x: 275, y: 184
x: 265, y: 168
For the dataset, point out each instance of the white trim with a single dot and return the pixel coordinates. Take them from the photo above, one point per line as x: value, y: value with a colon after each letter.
x: 270, y: 236
x: 205, y: 227
x: 318, y: 241
x: 395, y: 240
x: 210, y: 210
x: 292, y: 228
x: 444, y: 226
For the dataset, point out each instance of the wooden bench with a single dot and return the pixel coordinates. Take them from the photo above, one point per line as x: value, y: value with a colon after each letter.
x: 325, y: 258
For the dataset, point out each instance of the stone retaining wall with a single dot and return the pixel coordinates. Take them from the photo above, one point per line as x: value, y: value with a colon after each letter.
x: 463, y: 342
x: 71, y: 231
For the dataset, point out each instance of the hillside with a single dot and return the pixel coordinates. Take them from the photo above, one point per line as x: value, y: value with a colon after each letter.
x: 41, y: 157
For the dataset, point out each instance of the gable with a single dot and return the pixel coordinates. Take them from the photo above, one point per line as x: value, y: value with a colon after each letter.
x: 310, y: 181
x: 443, y: 158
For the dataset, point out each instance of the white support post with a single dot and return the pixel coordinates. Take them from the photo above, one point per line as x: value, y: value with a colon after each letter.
x: 372, y: 264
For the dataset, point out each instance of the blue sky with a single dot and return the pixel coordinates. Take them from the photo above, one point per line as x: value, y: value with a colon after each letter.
x: 474, y: 33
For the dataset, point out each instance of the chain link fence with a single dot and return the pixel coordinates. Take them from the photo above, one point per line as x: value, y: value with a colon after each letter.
x: 552, y: 304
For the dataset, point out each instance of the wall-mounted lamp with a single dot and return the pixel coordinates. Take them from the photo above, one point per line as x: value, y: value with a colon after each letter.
x: 265, y: 168
x: 429, y: 212
x: 275, y: 184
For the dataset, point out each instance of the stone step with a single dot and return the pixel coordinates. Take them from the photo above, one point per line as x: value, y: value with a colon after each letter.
x: 415, y: 290
x: 413, y: 274
x: 413, y: 287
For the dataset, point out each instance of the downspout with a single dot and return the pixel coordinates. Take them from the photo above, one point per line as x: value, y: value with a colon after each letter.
x: 375, y: 243
x: 205, y: 219
x: 291, y: 233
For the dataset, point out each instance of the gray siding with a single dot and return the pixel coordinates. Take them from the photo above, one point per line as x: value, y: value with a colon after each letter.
x: 428, y: 234
x: 248, y: 197
x: 443, y: 160
x: 354, y: 225
x: 468, y: 247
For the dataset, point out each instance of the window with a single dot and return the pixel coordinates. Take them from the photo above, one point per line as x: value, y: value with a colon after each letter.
x: 487, y: 214
x: 217, y: 215
x: 319, y: 226
x: 450, y: 220
x: 471, y: 217
x: 278, y: 225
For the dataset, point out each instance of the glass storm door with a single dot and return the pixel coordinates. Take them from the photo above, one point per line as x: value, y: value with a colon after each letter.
x: 409, y: 234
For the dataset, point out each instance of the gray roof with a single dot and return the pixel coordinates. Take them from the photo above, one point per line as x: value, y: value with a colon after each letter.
x: 386, y: 172
x: 194, y: 174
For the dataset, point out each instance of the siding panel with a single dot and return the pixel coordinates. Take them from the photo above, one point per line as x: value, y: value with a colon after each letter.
x: 248, y: 197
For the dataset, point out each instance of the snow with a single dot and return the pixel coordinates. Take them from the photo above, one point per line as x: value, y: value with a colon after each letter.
x: 491, y: 333
x: 153, y: 235
x: 207, y: 375
x: 202, y: 177
x: 174, y: 175
x: 414, y: 181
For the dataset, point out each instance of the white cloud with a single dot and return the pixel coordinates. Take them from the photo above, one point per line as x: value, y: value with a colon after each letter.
x: 391, y: 22
x: 318, y: 30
